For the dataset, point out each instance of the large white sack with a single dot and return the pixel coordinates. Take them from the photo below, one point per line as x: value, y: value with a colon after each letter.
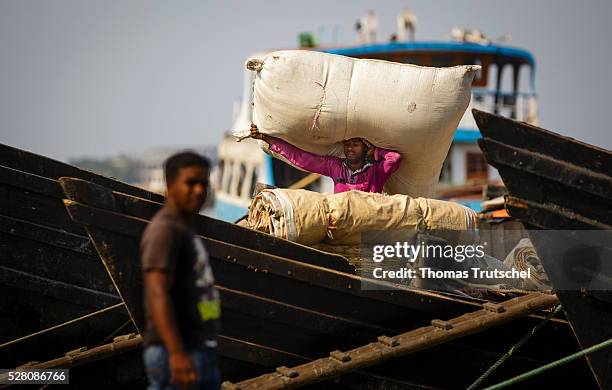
x: 316, y: 100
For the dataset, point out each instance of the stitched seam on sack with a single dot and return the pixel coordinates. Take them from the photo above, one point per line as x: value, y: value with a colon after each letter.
x: 322, y: 101
x: 319, y: 107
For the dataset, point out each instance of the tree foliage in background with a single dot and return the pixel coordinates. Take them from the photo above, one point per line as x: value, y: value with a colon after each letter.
x: 122, y: 167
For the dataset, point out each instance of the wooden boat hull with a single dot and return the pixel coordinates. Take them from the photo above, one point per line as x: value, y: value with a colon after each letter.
x: 283, y: 303
x: 558, y: 184
x: 278, y: 311
x: 50, y: 273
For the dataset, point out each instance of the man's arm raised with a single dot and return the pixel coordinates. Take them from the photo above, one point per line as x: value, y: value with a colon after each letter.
x: 300, y: 158
x: 388, y: 161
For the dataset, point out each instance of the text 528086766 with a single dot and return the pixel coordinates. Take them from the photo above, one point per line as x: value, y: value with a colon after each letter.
x: 27, y: 376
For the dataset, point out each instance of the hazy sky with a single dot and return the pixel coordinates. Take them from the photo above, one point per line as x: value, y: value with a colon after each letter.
x: 100, y: 78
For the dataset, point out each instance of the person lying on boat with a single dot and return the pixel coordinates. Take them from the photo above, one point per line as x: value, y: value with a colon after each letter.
x: 364, y: 168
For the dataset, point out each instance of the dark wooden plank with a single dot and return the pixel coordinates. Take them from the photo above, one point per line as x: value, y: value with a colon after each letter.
x: 554, y: 194
x: 115, y: 250
x: 265, y: 308
x: 69, y: 293
x: 547, y: 215
x: 543, y: 142
x: 558, y: 183
x: 36, y: 208
x: 28, y: 182
x: 589, y: 314
x: 43, y: 166
x: 47, y: 235
x: 53, y: 262
x: 31, y: 313
x: 52, y: 254
x: 578, y: 177
x: 100, y: 197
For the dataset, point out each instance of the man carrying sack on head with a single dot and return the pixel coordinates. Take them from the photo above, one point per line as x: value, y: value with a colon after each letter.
x: 364, y: 168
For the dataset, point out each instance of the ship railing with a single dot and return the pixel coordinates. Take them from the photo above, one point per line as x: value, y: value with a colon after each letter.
x: 520, y: 106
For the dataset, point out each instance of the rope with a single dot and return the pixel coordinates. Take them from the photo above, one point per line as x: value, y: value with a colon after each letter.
x: 116, y: 332
x: 72, y: 321
x: 514, y: 348
x: 549, y: 366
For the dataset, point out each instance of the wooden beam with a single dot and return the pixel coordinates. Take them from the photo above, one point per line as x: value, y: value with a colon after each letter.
x: 570, y: 175
x: 47, y: 235
x: 67, y: 292
x: 386, y: 348
x: 46, y: 167
x: 544, y: 142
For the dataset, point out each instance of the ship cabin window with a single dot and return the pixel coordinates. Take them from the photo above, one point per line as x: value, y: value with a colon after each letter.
x: 233, y: 177
x: 477, y: 168
x: 254, y: 176
x: 513, y: 90
x: 220, y: 169
x: 524, y: 79
x: 225, y: 175
x: 446, y: 171
x: 237, y: 178
x: 493, y: 75
x: 241, y: 176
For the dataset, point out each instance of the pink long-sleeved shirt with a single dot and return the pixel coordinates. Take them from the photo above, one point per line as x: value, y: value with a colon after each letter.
x: 370, y: 178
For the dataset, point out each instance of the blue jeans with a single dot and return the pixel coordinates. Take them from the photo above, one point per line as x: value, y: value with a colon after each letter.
x: 157, y: 367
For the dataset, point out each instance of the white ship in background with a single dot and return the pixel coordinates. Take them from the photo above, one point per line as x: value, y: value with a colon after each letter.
x: 505, y: 85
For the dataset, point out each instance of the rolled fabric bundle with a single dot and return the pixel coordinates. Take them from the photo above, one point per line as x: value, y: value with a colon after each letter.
x: 308, y: 217
x: 296, y: 215
x: 524, y: 257
x: 355, y: 212
x: 451, y: 221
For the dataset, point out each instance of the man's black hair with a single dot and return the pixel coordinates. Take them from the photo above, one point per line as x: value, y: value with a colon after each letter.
x: 180, y: 160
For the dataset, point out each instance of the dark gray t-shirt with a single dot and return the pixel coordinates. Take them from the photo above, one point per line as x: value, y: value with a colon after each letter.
x: 170, y: 244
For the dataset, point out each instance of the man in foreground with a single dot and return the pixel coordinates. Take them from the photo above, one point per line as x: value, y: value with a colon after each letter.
x: 365, y: 168
x: 182, y: 304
